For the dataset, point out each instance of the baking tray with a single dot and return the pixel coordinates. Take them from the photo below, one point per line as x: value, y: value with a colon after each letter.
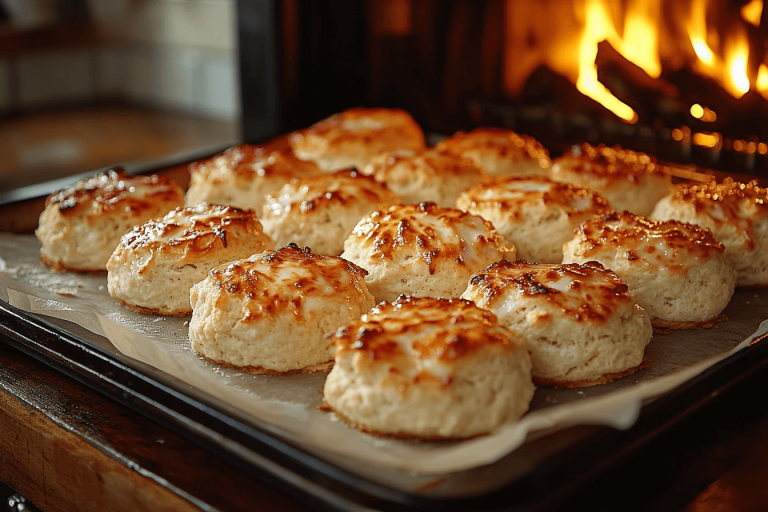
x: 548, y: 468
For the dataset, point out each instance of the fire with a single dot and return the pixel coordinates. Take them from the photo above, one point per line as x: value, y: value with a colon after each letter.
x: 736, y: 57
x: 639, y: 45
x: 762, y: 81
x: 730, y: 71
x: 752, y: 12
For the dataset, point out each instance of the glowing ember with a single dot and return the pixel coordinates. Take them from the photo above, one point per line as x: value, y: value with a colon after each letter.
x: 703, y: 113
x: 708, y: 140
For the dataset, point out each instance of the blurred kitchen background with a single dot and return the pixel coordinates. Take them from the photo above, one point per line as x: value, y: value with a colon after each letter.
x: 89, y: 83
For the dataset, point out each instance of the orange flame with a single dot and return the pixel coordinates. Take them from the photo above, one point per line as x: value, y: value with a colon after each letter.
x: 762, y: 81
x: 752, y: 12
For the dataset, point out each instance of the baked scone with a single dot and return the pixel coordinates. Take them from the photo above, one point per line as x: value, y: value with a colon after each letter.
x: 737, y: 215
x: 579, y: 321
x: 243, y: 175
x: 429, y: 369
x: 82, y: 225
x: 353, y: 137
x: 156, y: 263
x: 425, y: 175
x: 629, y: 180
x: 320, y: 212
x: 536, y: 214
x: 676, y: 271
x: 423, y: 250
x: 269, y: 313
x: 499, y: 151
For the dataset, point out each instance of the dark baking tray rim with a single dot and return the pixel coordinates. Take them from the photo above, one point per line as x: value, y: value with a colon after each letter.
x: 591, y: 451
x: 324, y: 485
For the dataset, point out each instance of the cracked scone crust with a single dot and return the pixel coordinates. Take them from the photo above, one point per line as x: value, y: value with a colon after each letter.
x: 82, y: 225
x: 353, y: 137
x: 536, y: 214
x: 426, y: 175
x: 429, y: 369
x: 737, y: 215
x: 242, y: 176
x: 580, y: 323
x: 676, y: 271
x: 320, y: 212
x: 629, y: 180
x: 156, y: 263
x: 269, y: 313
x: 500, y: 152
x: 423, y: 250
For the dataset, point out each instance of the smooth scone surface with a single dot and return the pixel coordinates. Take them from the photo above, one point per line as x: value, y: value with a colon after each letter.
x: 320, y: 212
x: 82, y: 225
x: 423, y: 250
x: 580, y: 322
x: 536, y: 214
x: 426, y: 175
x: 630, y: 180
x: 269, y: 313
x: 156, y: 263
x: 243, y: 175
x: 676, y: 271
x: 353, y: 137
x: 428, y: 368
x: 500, y: 152
x: 736, y: 213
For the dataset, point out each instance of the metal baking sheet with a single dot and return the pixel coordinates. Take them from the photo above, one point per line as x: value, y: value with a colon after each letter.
x: 296, y: 398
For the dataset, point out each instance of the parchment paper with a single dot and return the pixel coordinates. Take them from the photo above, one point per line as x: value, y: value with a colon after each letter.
x: 288, y: 405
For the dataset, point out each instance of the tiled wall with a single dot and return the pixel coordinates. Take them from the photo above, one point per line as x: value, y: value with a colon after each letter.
x: 177, y: 54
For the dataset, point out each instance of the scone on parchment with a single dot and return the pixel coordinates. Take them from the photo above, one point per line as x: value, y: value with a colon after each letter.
x: 425, y: 175
x: 353, y: 137
x: 423, y: 250
x: 676, y: 271
x: 243, y: 175
x: 320, y: 212
x: 269, y: 313
x: 737, y: 215
x: 580, y: 322
x: 500, y: 152
x: 536, y: 214
x: 629, y: 180
x: 429, y: 369
x: 156, y: 263
x: 82, y: 225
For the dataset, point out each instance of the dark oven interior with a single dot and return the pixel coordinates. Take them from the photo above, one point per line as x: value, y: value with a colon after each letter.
x: 684, y: 80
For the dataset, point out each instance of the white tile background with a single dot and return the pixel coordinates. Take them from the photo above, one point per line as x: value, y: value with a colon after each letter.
x: 176, y: 54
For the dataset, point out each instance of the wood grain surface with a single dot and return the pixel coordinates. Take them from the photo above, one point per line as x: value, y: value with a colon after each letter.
x: 65, y: 447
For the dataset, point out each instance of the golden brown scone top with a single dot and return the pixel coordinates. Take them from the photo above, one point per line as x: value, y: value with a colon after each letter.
x: 422, y: 329
x: 499, y: 141
x: 114, y: 190
x: 726, y: 200
x: 401, y: 165
x: 389, y: 128
x: 247, y: 161
x: 668, y: 243
x: 515, y: 193
x: 341, y: 187
x: 610, y: 164
x: 430, y: 233
x: 199, y: 228
x: 285, y: 280
x: 582, y: 292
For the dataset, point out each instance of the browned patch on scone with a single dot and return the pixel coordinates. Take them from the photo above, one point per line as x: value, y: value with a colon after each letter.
x: 260, y: 370
x: 58, y: 266
x: 669, y: 324
x: 153, y: 311
x: 396, y: 435
x: 605, y: 379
